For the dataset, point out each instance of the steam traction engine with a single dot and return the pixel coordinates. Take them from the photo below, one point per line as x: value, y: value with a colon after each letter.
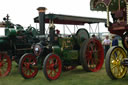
x: 56, y: 52
x: 14, y: 44
x: 116, y: 58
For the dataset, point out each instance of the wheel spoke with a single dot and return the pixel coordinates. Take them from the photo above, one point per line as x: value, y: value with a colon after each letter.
x: 54, y: 72
x: 30, y: 70
x: 92, y: 61
x: 50, y: 73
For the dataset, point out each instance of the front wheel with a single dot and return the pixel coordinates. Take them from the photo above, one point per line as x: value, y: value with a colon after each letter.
x: 5, y: 64
x: 26, y: 66
x: 52, y: 66
x: 114, y: 68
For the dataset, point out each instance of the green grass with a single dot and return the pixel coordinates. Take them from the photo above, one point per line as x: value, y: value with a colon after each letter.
x: 75, y: 77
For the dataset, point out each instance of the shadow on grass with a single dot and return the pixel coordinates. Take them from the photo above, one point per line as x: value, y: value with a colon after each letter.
x: 73, y: 73
x: 78, y: 71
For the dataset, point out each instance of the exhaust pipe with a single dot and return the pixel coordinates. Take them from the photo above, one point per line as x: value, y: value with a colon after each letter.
x: 42, y: 19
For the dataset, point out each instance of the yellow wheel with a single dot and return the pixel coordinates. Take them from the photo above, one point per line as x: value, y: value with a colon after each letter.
x: 114, y: 57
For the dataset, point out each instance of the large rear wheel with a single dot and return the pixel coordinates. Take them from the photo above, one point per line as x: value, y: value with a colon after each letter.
x: 92, y: 55
x: 52, y: 66
x: 82, y: 34
x: 114, y: 57
x: 5, y: 64
x: 26, y: 66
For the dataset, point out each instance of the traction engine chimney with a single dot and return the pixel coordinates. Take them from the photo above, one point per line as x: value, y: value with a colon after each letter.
x: 42, y: 19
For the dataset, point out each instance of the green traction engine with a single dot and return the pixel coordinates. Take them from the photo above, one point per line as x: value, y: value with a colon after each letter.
x: 14, y: 44
x: 56, y: 52
x: 116, y: 58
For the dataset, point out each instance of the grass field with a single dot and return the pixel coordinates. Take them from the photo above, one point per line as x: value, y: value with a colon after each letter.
x: 75, y: 77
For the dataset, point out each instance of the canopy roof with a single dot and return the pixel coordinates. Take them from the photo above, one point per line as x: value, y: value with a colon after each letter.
x: 68, y: 19
x: 100, y: 5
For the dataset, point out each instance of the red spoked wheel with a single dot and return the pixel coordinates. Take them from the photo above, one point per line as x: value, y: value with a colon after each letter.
x: 26, y: 66
x: 52, y: 66
x: 92, y: 55
x: 5, y: 64
x: 68, y: 68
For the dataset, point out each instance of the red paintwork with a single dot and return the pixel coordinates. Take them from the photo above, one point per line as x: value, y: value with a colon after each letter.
x: 5, y: 64
x: 118, y: 28
x: 28, y: 71
x: 52, y: 62
x: 94, y: 61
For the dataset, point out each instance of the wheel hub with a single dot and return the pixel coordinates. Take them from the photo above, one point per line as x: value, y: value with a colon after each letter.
x: 116, y: 62
x: 51, y: 66
x: 55, y: 66
x: 27, y: 65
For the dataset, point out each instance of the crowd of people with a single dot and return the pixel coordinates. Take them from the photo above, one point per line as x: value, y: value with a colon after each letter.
x: 107, y: 43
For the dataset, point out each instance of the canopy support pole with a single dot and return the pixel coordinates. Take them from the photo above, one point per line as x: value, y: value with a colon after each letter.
x: 127, y: 11
x: 98, y: 30
x: 90, y: 27
x: 68, y: 29
x: 107, y: 16
x: 119, y: 4
x: 64, y: 29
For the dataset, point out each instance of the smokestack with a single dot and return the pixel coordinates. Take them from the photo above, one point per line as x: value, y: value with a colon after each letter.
x: 42, y: 19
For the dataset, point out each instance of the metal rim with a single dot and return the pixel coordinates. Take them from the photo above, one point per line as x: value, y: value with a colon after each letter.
x: 26, y: 64
x: 53, y: 67
x: 94, y: 55
x: 115, y: 68
x: 84, y: 32
x: 5, y: 64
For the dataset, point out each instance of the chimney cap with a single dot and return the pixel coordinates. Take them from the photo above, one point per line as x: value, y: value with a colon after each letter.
x: 41, y: 9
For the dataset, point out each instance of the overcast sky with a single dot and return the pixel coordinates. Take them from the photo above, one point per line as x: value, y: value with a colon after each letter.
x: 23, y: 11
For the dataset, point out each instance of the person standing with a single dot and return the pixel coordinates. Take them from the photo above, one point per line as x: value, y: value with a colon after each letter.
x: 114, y: 41
x: 106, y: 44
